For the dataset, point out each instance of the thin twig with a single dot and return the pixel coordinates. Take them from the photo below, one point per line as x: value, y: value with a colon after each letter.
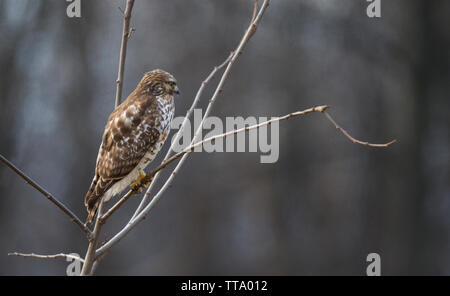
x: 247, y: 35
x: 328, y: 116
x: 130, y: 32
x: 123, y: 49
x: 60, y: 255
x: 121, y: 10
x: 50, y: 197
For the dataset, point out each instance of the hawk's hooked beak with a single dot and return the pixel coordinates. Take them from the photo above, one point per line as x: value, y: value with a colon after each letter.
x: 177, y: 91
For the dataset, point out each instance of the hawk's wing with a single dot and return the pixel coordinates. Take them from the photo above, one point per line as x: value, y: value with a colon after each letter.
x: 132, y: 129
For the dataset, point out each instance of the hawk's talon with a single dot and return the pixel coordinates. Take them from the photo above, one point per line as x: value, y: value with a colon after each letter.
x: 136, y: 186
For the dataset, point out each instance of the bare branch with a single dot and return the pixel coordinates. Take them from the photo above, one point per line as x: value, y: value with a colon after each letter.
x: 255, y: 11
x: 50, y: 197
x: 126, y: 32
x: 56, y: 256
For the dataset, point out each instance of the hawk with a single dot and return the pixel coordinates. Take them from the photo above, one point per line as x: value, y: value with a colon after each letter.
x: 134, y: 133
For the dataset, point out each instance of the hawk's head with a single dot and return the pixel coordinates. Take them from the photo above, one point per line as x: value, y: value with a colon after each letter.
x: 159, y: 82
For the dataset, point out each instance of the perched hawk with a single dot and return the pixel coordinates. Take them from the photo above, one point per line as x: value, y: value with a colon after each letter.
x: 134, y: 133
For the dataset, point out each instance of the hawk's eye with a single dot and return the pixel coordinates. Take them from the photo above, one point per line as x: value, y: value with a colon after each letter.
x: 173, y: 87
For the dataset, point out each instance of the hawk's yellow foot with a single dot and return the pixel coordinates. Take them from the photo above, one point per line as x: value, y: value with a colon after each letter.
x: 137, y: 184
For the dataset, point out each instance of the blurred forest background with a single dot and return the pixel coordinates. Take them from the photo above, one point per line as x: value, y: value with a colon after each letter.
x: 319, y: 210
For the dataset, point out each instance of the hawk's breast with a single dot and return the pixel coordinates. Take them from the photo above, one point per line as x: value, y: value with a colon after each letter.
x: 156, y: 123
x: 166, y: 109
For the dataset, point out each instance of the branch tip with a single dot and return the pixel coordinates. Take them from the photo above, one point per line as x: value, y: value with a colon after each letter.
x: 255, y: 10
x: 60, y: 255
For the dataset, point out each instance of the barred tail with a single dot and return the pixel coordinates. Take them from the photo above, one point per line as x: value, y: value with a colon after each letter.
x: 93, y: 197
